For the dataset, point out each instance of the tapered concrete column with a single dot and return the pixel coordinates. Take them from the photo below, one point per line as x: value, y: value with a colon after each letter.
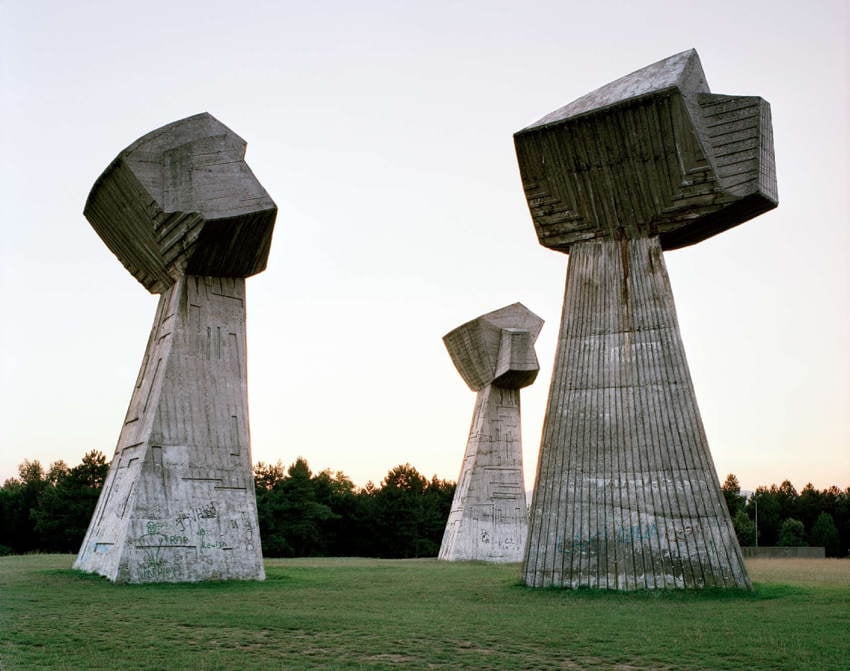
x: 495, y: 355
x: 627, y: 496
x: 179, y: 500
x: 489, y: 517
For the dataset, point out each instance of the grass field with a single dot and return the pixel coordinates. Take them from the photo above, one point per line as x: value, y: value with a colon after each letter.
x: 417, y: 614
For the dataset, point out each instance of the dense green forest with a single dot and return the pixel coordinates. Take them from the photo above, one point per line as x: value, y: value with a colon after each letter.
x: 789, y: 518
x: 302, y: 513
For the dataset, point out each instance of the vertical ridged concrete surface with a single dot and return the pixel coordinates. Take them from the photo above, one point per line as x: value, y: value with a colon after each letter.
x: 178, y: 503
x: 627, y: 496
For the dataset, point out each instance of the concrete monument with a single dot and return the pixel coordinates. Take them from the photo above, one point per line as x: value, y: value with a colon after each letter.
x: 495, y: 356
x: 626, y: 495
x: 183, y: 212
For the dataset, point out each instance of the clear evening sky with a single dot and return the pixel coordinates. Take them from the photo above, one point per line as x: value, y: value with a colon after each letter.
x: 383, y: 130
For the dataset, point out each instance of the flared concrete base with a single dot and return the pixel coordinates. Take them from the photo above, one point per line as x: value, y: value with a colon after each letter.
x: 489, y: 520
x: 626, y: 495
x: 178, y: 504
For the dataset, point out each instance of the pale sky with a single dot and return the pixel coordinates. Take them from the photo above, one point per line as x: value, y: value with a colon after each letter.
x: 383, y: 130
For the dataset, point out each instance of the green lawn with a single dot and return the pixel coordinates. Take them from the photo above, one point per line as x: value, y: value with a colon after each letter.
x: 417, y: 614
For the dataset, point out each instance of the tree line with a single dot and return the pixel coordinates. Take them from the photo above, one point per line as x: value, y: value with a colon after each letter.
x: 49, y: 510
x: 300, y: 513
x: 324, y: 514
x: 812, y: 517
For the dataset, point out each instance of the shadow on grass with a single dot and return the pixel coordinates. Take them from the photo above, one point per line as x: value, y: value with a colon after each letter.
x: 760, y: 592
x: 76, y: 576
x: 284, y: 577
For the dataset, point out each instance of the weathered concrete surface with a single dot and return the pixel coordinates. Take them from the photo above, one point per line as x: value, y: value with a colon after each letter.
x: 626, y: 495
x: 495, y: 355
x: 178, y: 503
x: 653, y: 153
x: 182, y: 200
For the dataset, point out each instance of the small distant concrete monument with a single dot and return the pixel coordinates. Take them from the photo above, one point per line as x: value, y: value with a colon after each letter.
x: 627, y: 496
x: 495, y: 356
x: 183, y: 212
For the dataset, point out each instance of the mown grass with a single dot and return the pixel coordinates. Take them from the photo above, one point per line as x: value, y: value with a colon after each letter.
x: 417, y: 614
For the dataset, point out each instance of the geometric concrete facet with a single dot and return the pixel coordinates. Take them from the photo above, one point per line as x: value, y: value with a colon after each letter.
x: 479, y: 354
x: 626, y: 495
x: 182, y: 200
x: 654, y: 153
x: 495, y: 356
x: 178, y: 503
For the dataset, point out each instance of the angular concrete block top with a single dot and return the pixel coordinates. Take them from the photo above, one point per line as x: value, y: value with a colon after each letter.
x: 496, y: 348
x: 652, y: 153
x: 182, y: 200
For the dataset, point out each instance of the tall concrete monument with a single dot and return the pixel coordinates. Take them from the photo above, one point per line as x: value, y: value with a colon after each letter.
x: 626, y: 495
x: 495, y: 356
x: 183, y: 212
